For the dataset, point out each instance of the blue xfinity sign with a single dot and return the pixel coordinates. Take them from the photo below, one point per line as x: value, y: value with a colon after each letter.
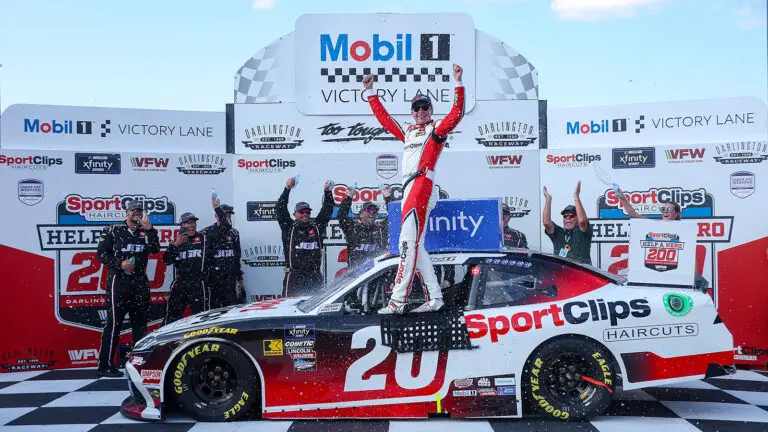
x: 456, y: 225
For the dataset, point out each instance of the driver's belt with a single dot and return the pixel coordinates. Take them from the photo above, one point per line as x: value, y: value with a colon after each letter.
x: 429, y: 174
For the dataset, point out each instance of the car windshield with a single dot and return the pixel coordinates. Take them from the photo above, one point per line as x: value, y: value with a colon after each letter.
x: 334, y: 287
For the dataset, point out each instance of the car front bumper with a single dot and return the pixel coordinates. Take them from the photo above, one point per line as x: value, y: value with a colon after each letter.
x: 141, y: 404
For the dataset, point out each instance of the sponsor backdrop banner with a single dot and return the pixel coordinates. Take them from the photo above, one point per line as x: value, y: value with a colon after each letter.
x: 659, y: 123
x: 408, y: 54
x: 54, y: 127
x: 57, y: 203
x: 507, y: 176
x: 492, y: 125
x: 718, y: 188
x: 320, y: 65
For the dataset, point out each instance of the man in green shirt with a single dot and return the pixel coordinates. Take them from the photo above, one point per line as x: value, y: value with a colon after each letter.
x: 574, y: 239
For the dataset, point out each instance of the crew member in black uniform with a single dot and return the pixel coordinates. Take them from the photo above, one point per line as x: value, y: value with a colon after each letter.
x: 186, y: 256
x: 366, y: 237
x: 125, y: 250
x: 512, y: 237
x: 223, y: 275
x: 303, y: 241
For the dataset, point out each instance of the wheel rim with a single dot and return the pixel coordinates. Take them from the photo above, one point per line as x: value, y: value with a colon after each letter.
x: 562, y: 377
x: 215, y: 381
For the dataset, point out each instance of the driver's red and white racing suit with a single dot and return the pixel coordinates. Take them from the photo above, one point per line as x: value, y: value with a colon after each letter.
x: 423, y: 145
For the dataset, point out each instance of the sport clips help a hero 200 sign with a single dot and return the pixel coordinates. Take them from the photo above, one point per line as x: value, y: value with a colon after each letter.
x: 718, y: 187
x: 58, y: 204
x: 408, y: 54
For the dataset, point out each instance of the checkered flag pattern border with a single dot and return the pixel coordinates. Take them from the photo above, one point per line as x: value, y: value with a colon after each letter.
x: 105, y: 128
x: 256, y: 79
x: 640, y: 124
x: 387, y: 75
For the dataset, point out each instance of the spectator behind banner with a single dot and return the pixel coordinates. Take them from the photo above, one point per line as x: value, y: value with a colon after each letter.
x: 670, y: 211
x: 223, y: 274
x: 574, y: 239
x: 366, y: 237
x: 185, y: 253
x: 124, y: 249
x: 303, y: 241
x: 512, y: 237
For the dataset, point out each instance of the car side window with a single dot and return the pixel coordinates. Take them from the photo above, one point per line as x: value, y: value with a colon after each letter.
x: 372, y: 294
x: 505, y: 285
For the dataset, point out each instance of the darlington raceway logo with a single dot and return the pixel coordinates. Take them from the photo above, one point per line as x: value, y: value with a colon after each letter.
x: 662, y: 251
x: 29, y: 162
x: 272, y: 137
x: 264, y: 256
x: 746, y: 152
x: 573, y: 160
x: 506, y: 134
x: 27, y: 359
x: 81, y: 278
x: 201, y: 164
x: 518, y: 206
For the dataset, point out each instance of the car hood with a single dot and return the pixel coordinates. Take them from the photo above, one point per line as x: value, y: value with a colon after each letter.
x: 281, y: 307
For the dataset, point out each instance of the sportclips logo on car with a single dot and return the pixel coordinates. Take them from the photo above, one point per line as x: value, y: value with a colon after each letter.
x: 80, y: 276
x: 271, y: 255
x: 611, y: 229
x: 272, y: 137
x: 265, y: 165
x: 573, y: 160
x: 29, y: 162
x: 201, y: 164
x: 506, y: 134
x: 554, y: 315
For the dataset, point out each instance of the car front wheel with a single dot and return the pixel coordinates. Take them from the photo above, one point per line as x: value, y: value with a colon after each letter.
x: 570, y: 379
x: 213, y: 381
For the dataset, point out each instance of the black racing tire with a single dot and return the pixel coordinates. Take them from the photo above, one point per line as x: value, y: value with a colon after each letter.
x: 553, y: 383
x: 213, y: 382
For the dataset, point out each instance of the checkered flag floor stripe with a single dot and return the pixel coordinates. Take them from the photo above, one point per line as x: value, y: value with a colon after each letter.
x: 74, y: 400
x: 395, y: 74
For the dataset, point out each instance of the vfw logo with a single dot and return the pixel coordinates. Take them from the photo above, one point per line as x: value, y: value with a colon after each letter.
x: 662, y: 251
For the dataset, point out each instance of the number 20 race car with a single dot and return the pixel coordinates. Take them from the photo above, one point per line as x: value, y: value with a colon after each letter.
x: 520, y: 329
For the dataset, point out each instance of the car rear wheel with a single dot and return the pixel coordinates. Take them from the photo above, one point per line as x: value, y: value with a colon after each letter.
x: 213, y: 382
x: 570, y: 379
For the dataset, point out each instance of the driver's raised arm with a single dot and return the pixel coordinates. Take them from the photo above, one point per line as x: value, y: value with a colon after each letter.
x: 386, y: 120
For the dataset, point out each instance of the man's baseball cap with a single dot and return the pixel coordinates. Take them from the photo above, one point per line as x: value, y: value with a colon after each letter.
x: 368, y: 204
x: 134, y: 205
x: 302, y: 206
x: 186, y: 217
x: 226, y: 208
x: 505, y: 209
x: 421, y: 98
x: 569, y: 209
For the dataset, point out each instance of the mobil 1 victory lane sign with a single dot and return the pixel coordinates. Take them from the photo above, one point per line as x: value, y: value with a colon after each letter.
x: 408, y: 55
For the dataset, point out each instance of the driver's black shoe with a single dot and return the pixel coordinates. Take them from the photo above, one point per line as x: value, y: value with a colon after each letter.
x: 110, y: 372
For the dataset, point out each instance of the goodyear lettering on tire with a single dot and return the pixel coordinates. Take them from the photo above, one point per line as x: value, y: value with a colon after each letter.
x: 238, y: 406
x: 563, y: 415
x: 607, y: 375
x: 182, y: 363
x: 210, y: 331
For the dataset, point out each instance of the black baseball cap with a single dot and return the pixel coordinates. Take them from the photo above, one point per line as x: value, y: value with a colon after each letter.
x: 186, y: 217
x: 505, y: 209
x: 134, y: 205
x: 569, y: 209
x: 421, y: 98
x: 226, y: 208
x: 302, y: 206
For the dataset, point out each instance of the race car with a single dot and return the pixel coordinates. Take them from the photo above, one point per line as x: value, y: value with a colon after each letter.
x: 519, y: 329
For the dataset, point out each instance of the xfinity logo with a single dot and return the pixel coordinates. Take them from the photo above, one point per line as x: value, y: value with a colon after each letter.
x: 634, y: 157
x: 455, y: 223
x: 261, y: 210
x: 97, y: 163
